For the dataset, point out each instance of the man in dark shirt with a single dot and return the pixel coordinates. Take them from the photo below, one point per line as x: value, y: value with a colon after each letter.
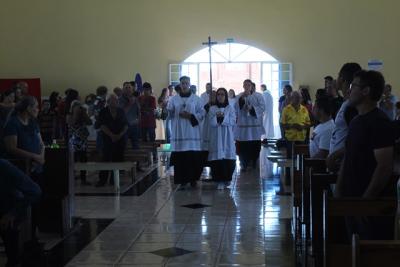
x: 368, y: 163
x: 17, y: 192
x: 113, y: 124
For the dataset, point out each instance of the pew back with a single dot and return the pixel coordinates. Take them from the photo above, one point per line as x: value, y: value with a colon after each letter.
x: 339, y: 254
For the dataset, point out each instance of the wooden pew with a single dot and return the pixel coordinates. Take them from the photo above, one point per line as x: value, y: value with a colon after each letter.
x: 339, y: 253
x: 318, y: 184
x: 139, y: 155
x: 309, y: 167
x: 298, y: 153
x: 108, y: 166
x: 375, y: 253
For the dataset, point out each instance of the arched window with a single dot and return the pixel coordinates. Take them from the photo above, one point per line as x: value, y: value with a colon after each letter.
x: 232, y: 64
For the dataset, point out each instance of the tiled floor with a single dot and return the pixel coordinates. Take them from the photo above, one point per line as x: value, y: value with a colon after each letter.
x: 246, y: 226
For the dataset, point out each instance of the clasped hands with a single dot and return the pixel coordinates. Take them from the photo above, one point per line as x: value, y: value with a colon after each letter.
x: 184, y: 114
x: 296, y: 126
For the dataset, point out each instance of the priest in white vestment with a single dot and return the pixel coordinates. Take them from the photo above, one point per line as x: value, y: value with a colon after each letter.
x: 250, y: 110
x: 268, y: 120
x: 186, y: 113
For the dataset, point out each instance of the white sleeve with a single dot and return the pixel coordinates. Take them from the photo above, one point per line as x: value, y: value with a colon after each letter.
x: 171, y: 107
x: 199, y: 110
x: 257, y: 101
x: 325, y: 140
x: 229, y: 117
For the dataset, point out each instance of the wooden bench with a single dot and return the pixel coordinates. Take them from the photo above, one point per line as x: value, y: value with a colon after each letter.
x: 375, y: 253
x: 336, y: 253
x: 108, y: 166
x: 318, y: 184
x: 139, y: 155
x: 298, y: 153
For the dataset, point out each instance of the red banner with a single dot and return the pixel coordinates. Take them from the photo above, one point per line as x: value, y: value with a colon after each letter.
x: 33, y: 86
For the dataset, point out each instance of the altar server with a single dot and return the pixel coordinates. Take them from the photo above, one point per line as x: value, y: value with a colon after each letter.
x: 222, y: 151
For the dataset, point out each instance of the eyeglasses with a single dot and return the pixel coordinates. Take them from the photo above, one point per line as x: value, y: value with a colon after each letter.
x: 352, y: 85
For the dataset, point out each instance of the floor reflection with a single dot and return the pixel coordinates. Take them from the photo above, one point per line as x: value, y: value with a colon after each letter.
x: 161, y: 226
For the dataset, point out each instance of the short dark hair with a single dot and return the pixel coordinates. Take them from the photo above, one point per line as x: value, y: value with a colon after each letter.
x: 248, y: 80
x: 374, y: 80
x: 184, y: 78
x: 324, y: 104
x: 147, y: 86
x: 101, y: 90
x: 133, y: 83
x: 329, y: 78
x: 348, y: 70
x: 288, y: 87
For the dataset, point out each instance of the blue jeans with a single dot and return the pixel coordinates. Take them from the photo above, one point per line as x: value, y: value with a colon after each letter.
x: 133, y: 135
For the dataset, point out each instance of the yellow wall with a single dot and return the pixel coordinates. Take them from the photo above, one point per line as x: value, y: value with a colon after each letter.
x: 85, y: 43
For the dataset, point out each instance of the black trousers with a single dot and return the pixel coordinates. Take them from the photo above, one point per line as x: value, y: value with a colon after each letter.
x: 222, y: 170
x: 112, y: 152
x: 37, y: 207
x: 188, y: 166
x: 81, y: 156
x: 249, y: 151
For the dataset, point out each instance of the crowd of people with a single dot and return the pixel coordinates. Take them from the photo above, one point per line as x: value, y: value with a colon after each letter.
x: 355, y: 132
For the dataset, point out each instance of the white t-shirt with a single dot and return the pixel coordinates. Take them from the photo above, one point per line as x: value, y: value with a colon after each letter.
x: 321, y: 137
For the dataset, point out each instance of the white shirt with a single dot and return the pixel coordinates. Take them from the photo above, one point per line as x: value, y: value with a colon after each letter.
x: 250, y: 128
x: 268, y: 121
x: 340, y: 131
x: 184, y: 136
x: 222, y: 139
x: 321, y: 137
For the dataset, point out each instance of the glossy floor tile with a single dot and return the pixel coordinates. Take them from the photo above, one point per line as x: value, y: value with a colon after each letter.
x: 159, y: 225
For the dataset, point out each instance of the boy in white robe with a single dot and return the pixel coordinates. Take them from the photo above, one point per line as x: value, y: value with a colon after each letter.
x: 222, y: 151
